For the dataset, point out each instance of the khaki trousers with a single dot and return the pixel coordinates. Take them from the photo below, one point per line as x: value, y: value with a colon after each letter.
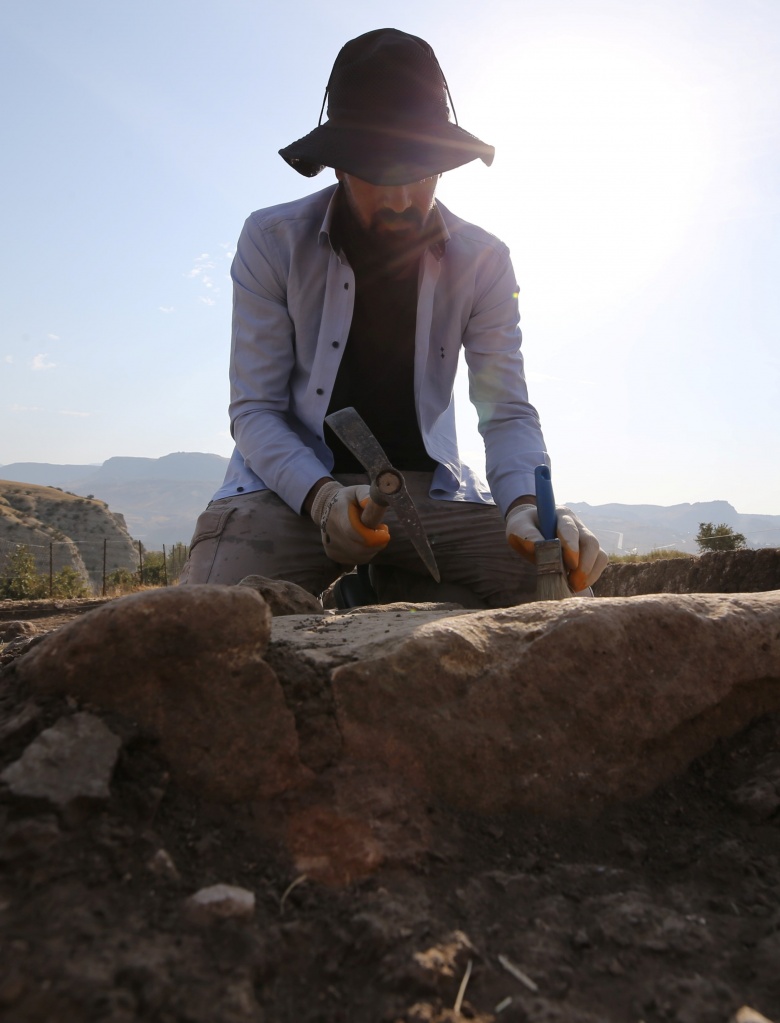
x: 258, y: 534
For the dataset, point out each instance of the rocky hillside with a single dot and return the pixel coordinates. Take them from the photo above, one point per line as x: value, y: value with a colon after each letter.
x: 160, y: 498
x: 71, y: 528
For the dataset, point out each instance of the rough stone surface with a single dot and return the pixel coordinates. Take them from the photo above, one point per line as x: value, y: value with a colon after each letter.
x: 560, y: 707
x: 187, y: 665
x: 283, y: 597
x: 68, y: 764
x: 718, y: 572
x: 555, y: 708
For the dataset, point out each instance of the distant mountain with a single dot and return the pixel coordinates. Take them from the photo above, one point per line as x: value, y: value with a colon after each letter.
x: 181, y: 466
x: 623, y: 528
x: 161, y: 498
x: 42, y: 474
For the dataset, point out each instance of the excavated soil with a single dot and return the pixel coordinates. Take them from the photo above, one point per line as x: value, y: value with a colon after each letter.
x: 664, y: 910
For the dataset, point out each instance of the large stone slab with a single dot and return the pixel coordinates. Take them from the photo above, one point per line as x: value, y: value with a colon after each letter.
x: 187, y: 664
x: 554, y: 707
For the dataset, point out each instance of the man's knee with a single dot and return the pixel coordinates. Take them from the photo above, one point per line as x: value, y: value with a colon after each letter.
x: 205, y: 542
x: 257, y: 534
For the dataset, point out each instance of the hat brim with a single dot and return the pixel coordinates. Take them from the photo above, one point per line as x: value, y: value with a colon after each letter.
x: 395, y: 156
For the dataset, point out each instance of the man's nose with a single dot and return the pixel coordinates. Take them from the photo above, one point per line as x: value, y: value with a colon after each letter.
x: 397, y: 198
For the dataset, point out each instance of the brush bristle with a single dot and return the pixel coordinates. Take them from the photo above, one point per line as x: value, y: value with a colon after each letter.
x: 551, y: 583
x: 552, y: 587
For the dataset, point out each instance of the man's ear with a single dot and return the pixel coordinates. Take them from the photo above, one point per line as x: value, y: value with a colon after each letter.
x: 339, y: 175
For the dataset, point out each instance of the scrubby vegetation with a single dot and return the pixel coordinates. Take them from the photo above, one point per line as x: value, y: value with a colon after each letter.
x: 21, y: 580
x: 156, y: 568
x: 662, y: 554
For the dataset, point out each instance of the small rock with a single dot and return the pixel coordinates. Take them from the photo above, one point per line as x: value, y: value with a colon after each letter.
x: 283, y: 597
x: 162, y: 866
x: 68, y: 764
x: 748, y: 1015
x: 220, y: 902
x: 12, y: 630
x: 16, y: 647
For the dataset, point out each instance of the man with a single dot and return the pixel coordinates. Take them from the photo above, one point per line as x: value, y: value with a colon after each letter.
x: 363, y: 295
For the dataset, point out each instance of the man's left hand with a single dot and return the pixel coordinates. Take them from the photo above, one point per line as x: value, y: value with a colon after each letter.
x: 583, y: 557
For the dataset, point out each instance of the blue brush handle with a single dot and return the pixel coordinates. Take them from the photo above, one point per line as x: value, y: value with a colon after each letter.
x: 545, y: 503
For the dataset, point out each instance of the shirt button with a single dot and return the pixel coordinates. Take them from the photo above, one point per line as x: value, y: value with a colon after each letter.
x: 346, y: 286
x: 335, y: 344
x: 320, y: 390
x: 240, y: 490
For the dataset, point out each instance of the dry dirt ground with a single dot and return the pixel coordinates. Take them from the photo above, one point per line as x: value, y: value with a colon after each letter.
x: 665, y: 910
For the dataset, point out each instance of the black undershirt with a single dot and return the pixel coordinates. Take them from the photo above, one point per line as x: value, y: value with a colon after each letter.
x: 376, y: 375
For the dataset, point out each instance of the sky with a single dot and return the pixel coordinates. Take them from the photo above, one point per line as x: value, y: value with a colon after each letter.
x: 636, y: 182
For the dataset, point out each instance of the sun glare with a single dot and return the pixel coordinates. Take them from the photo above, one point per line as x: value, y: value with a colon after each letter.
x: 610, y: 153
x: 604, y: 159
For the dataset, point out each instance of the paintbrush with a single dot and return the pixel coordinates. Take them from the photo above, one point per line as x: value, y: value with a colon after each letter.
x: 551, y: 582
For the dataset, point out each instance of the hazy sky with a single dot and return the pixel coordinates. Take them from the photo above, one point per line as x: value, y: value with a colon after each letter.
x: 636, y: 181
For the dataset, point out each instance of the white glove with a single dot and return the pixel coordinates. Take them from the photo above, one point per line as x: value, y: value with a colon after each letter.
x: 583, y: 558
x: 336, y: 510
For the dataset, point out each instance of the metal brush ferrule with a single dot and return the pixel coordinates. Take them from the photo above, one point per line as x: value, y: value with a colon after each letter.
x: 549, y: 560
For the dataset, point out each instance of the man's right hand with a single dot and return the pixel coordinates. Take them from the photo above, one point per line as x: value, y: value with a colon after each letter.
x: 336, y: 510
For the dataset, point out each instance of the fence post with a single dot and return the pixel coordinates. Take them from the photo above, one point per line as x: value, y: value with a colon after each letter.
x: 51, y: 570
x: 140, y: 563
x: 103, y: 591
x: 165, y: 567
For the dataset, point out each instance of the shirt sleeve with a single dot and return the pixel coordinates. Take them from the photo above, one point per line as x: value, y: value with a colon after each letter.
x: 508, y: 423
x: 262, y: 362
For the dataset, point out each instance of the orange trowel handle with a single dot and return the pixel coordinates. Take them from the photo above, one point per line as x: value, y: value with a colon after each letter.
x: 386, y: 485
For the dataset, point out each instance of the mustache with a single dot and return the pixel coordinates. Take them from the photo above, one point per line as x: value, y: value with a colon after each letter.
x: 409, y: 218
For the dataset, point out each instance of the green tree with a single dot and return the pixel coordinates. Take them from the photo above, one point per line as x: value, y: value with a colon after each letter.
x: 21, y: 579
x: 719, y: 538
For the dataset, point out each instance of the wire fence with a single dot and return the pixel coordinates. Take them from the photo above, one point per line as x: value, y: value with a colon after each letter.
x: 99, y: 564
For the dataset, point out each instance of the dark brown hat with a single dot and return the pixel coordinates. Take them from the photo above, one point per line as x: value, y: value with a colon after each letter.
x: 388, y: 119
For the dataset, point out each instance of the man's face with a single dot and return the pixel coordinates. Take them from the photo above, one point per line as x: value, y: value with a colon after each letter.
x: 394, y: 214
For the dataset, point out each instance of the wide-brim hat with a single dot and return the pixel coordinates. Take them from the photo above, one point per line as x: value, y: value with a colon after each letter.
x: 388, y: 116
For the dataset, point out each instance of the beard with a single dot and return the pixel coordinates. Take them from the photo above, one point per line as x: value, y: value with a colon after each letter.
x: 387, y: 241
x: 395, y: 242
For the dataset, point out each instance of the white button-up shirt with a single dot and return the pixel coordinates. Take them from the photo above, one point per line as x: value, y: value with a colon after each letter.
x: 292, y: 308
